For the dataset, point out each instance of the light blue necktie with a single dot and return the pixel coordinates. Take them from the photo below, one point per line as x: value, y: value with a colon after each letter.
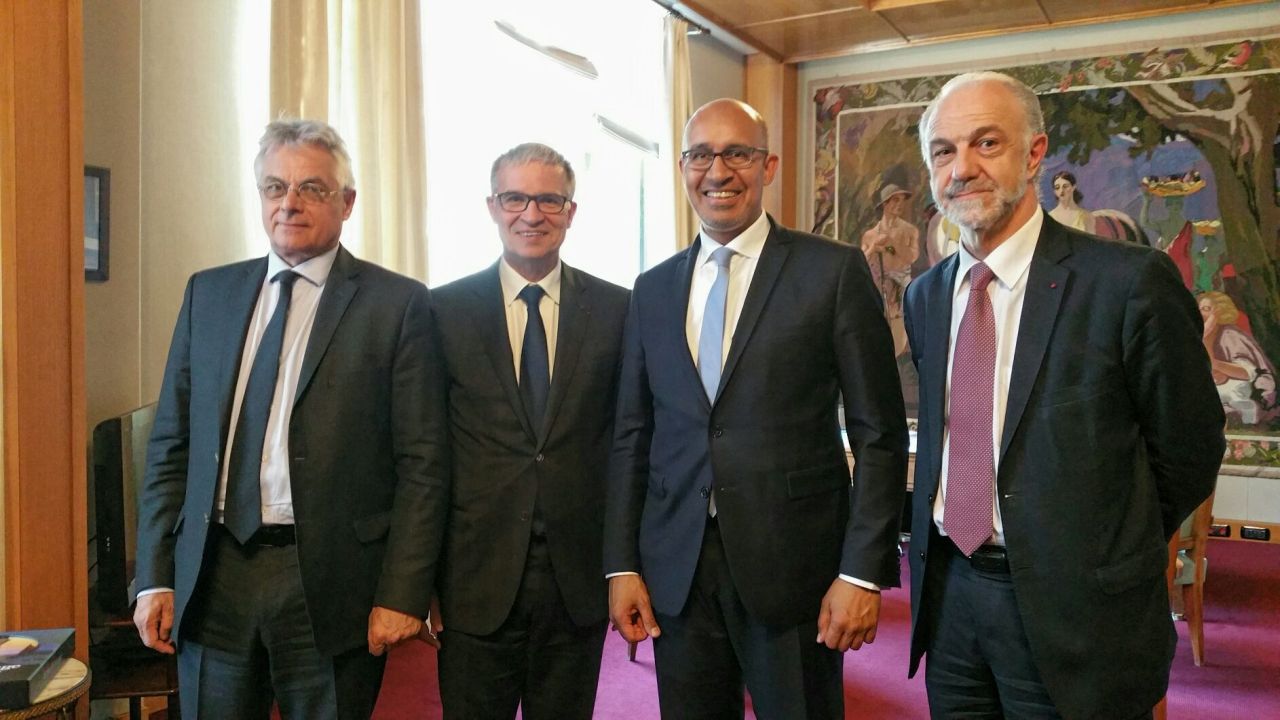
x: 711, y: 341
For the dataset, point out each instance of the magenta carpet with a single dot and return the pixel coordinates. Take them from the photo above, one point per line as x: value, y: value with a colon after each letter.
x: 1240, y: 679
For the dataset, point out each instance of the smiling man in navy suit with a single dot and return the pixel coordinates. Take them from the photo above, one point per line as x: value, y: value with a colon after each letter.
x: 1068, y: 423
x: 733, y: 536
x: 285, y: 530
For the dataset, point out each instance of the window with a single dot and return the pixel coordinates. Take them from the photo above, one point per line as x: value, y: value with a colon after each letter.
x: 488, y: 90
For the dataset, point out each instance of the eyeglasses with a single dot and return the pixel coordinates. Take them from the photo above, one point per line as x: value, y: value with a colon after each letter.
x: 309, y: 192
x: 549, y: 203
x: 734, y: 156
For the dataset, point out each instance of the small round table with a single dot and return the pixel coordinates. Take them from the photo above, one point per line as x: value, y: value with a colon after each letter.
x: 59, y: 696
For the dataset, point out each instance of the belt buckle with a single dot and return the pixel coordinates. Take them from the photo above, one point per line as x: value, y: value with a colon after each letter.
x: 989, y: 559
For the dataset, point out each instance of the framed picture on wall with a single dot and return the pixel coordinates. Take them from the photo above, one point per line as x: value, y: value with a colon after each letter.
x: 97, y: 216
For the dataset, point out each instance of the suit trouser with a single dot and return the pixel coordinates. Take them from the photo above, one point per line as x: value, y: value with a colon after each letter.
x: 707, y: 652
x: 247, y: 642
x: 538, y: 659
x: 978, y: 659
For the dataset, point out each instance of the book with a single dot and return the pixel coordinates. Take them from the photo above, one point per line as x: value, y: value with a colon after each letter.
x: 28, y: 661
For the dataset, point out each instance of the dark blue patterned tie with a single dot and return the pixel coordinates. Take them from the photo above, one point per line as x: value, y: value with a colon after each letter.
x: 535, y: 370
x: 242, y: 507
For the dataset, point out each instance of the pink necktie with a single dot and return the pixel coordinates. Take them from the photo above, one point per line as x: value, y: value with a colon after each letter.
x: 967, y: 511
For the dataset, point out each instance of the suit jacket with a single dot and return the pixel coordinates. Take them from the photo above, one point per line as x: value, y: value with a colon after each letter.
x: 812, y: 329
x: 1112, y: 435
x: 367, y: 456
x: 502, y: 467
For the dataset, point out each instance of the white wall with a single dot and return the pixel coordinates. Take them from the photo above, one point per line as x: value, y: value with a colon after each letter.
x: 716, y: 70
x: 199, y: 127
x: 112, y: 309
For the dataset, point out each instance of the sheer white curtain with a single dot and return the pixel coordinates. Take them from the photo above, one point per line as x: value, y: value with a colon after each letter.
x: 358, y: 66
x: 679, y: 107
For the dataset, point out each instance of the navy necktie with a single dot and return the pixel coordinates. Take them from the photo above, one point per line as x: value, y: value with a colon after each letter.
x: 711, y: 339
x: 535, y: 369
x: 242, y: 506
x: 967, y: 510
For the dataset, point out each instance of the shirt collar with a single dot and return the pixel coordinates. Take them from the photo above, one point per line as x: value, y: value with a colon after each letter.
x: 513, y: 283
x: 748, y: 243
x: 1009, y: 261
x: 315, y: 270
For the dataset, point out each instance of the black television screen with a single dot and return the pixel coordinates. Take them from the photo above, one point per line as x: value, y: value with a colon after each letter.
x: 119, y: 452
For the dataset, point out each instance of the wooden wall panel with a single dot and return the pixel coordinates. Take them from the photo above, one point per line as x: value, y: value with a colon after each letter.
x: 771, y: 89
x: 41, y: 258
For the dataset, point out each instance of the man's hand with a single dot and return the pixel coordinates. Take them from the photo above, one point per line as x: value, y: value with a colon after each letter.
x: 630, y: 610
x: 431, y: 628
x: 848, y: 617
x: 154, y: 620
x: 388, y: 628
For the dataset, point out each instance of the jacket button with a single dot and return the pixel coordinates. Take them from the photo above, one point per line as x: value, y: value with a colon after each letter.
x: 931, y: 496
x: 704, y: 491
x: 524, y: 516
x: 540, y: 457
x: 718, y: 432
x: 921, y: 554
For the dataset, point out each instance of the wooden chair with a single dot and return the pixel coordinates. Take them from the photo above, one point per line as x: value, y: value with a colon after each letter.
x: 1190, y: 595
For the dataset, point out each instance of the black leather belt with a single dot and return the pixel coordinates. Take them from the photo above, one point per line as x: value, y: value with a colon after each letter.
x: 273, y: 536
x: 987, y: 558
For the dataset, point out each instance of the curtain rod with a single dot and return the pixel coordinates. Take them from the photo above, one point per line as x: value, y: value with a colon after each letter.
x: 670, y: 7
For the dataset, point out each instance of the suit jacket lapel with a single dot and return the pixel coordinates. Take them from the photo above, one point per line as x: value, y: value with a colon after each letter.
x: 768, y: 268
x: 575, y: 314
x: 937, y: 334
x: 339, y: 289
x: 492, y: 327
x: 1046, y: 283
x: 242, y: 297
x: 678, y: 313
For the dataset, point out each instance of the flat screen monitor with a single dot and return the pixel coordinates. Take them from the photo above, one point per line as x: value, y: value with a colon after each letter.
x: 118, y: 455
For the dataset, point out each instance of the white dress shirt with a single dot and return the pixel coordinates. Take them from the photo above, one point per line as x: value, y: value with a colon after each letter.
x: 277, y: 497
x: 746, y: 249
x: 1010, y: 263
x: 518, y: 313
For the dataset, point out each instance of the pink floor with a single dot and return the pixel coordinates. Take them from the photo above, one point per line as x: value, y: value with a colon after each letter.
x: 1240, y: 679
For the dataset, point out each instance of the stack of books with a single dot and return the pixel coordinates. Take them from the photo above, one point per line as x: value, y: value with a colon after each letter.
x: 28, y: 661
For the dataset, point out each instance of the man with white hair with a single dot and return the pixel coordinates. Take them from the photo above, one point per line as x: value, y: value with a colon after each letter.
x: 286, y: 535
x: 1068, y: 423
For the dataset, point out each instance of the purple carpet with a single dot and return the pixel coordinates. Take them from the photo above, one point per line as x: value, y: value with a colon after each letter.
x: 1240, y: 679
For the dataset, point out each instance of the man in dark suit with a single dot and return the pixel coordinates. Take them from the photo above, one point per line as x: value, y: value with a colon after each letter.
x: 1068, y: 423
x: 286, y: 530
x: 733, y: 536
x: 531, y: 350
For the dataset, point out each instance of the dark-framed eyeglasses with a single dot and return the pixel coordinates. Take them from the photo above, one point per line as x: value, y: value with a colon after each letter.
x: 309, y: 192
x: 734, y: 156
x: 549, y: 203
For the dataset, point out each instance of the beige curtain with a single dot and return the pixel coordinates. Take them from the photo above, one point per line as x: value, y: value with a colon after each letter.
x: 680, y: 106
x: 358, y: 66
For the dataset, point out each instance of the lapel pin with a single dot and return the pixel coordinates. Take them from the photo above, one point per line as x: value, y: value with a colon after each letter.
x: 1053, y: 285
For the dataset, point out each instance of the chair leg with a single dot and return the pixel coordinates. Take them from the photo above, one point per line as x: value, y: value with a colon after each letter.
x: 1193, y: 601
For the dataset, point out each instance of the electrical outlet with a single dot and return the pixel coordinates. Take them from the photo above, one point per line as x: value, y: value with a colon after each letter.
x: 1220, y: 530
x: 1248, y: 532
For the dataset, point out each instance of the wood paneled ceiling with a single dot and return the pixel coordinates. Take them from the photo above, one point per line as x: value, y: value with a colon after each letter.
x: 798, y: 30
